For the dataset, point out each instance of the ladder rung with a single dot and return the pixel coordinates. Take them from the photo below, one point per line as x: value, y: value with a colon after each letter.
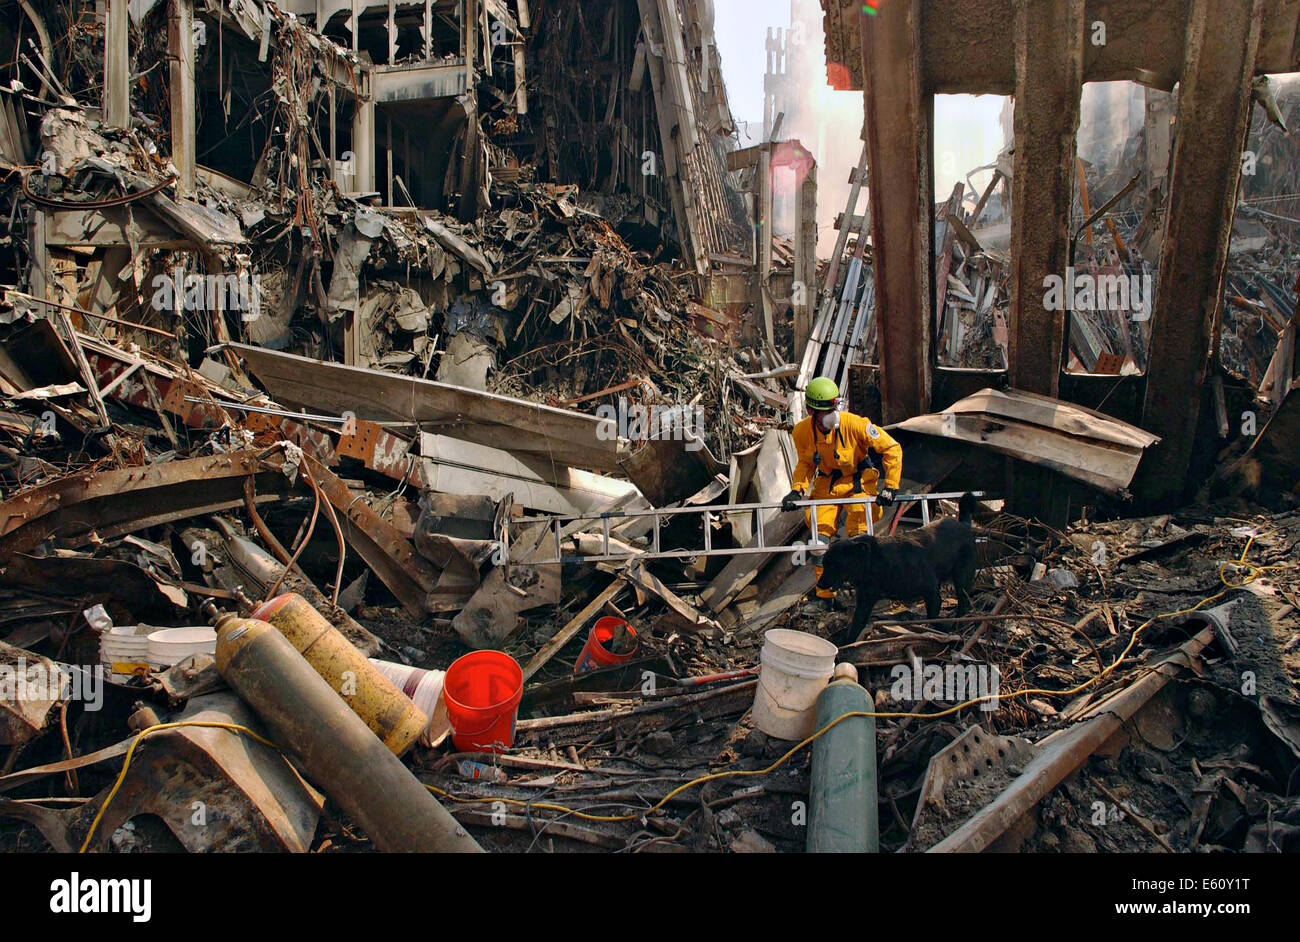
x: 759, y: 544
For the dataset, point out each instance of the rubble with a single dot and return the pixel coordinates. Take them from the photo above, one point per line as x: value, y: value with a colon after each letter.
x: 432, y: 346
x: 1074, y: 442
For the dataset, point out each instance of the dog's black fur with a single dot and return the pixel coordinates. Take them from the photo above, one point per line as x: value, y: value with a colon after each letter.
x: 904, y: 567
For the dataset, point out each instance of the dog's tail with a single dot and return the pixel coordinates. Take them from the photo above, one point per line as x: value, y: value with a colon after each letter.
x: 966, y: 507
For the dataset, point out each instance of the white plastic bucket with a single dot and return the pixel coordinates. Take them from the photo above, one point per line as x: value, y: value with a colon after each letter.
x: 796, y: 666
x: 425, y: 688
x: 168, y: 646
x: 124, y: 651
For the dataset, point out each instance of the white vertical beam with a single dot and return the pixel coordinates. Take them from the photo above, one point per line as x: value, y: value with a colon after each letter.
x: 180, y: 51
x: 117, y: 66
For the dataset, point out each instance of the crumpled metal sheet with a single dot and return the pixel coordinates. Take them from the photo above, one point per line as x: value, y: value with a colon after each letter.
x: 370, y: 224
x: 66, y: 134
x: 1283, y: 721
x: 216, y: 790
x: 345, y: 283
x: 84, y: 577
x: 492, y: 614
x: 191, y: 677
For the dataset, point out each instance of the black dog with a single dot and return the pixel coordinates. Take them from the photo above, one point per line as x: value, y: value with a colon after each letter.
x: 904, y: 567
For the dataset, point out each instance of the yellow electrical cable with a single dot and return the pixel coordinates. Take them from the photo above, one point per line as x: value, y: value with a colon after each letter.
x: 1252, y: 575
x: 1253, y: 572
x: 126, y: 764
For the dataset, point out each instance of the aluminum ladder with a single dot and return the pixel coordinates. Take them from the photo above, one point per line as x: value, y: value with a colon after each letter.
x: 800, y: 549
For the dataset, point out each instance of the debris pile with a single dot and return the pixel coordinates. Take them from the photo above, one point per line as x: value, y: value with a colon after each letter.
x: 1109, y: 289
x: 210, y: 500
x: 374, y: 503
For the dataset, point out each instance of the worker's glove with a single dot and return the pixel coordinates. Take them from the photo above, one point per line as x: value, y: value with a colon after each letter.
x: 885, y: 497
x: 787, y: 502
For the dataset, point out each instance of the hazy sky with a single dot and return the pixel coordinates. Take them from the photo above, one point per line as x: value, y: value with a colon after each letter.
x: 741, y: 29
x: 967, y: 134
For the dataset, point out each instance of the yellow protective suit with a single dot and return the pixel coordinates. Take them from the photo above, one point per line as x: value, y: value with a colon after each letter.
x: 832, y: 463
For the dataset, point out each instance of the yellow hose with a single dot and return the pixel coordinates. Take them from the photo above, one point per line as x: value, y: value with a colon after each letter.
x: 126, y: 763
x: 1253, y: 574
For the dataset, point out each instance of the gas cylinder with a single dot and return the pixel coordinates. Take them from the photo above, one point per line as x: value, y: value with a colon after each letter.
x: 331, y: 744
x: 390, y: 714
x: 842, y: 814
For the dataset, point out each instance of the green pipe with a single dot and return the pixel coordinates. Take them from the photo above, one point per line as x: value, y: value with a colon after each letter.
x: 842, y: 796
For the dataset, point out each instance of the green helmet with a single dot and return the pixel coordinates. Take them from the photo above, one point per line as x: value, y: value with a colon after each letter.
x: 821, y: 394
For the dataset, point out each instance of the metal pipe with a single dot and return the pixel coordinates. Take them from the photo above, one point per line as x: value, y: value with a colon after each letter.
x: 304, y: 416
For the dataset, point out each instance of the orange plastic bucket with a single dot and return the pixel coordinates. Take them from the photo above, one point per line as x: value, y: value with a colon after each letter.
x: 482, y: 690
x: 595, y: 653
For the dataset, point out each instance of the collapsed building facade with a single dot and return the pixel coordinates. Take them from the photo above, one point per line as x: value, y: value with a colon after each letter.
x: 469, y: 322
x: 1218, y: 60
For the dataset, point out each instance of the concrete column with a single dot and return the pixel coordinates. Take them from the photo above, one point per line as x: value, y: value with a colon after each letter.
x: 363, y: 145
x: 763, y: 220
x: 117, y: 66
x: 1049, y: 82
x: 180, y: 53
x: 898, y: 134
x: 1213, y: 119
x: 805, y: 260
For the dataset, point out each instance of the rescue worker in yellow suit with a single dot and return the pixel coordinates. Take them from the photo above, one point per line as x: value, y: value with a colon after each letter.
x: 834, y: 451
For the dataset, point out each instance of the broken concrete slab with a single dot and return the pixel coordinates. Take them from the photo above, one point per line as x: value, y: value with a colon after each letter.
x: 454, y: 466
x: 472, y: 415
x: 30, y: 687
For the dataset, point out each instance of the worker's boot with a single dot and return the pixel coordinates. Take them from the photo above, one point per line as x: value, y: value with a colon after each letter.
x: 826, y: 595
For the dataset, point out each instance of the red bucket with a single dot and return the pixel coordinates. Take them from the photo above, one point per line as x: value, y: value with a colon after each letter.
x: 482, y: 692
x: 595, y: 653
